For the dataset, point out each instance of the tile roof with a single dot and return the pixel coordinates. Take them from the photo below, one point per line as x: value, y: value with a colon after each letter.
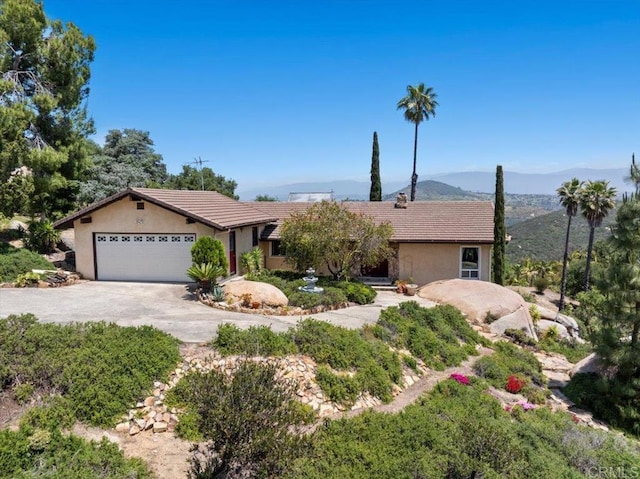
x: 421, y: 221
x: 207, y: 207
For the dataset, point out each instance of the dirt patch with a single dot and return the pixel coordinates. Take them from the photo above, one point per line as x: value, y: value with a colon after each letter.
x: 165, y: 454
x: 10, y: 411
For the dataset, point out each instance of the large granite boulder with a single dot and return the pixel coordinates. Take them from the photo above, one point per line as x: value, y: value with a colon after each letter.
x: 590, y: 364
x: 568, y: 322
x: 545, y: 324
x: 263, y: 293
x: 483, y: 302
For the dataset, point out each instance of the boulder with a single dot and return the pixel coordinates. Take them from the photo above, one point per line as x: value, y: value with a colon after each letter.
x: 567, y: 321
x: 518, y: 319
x: 263, y: 293
x: 545, y: 324
x: 475, y: 299
x: 590, y: 364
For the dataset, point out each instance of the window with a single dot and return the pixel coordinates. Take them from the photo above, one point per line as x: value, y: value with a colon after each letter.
x: 140, y: 205
x: 276, y: 248
x: 470, y: 263
x: 254, y: 236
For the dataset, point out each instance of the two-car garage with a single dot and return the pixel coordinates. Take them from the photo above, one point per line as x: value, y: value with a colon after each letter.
x: 142, y: 257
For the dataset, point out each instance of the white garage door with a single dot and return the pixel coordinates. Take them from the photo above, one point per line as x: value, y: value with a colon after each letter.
x: 143, y: 257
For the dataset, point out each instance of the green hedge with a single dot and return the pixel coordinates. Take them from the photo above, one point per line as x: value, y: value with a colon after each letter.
x: 16, y: 261
x: 100, y: 368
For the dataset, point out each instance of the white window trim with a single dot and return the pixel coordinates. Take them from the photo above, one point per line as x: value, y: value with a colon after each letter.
x: 479, y: 262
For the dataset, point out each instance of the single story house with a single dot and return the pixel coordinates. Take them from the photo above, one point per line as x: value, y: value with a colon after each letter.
x: 432, y: 240
x: 142, y: 234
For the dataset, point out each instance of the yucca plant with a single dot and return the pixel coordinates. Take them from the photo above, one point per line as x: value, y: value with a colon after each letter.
x: 205, y: 274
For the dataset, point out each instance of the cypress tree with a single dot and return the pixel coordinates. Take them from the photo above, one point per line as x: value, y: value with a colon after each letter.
x: 376, y: 187
x: 499, y: 231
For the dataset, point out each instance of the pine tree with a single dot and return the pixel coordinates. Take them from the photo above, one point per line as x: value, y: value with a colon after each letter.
x: 499, y: 231
x: 376, y: 187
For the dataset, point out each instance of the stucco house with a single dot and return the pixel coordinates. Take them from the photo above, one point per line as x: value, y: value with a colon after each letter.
x: 432, y: 240
x: 142, y: 234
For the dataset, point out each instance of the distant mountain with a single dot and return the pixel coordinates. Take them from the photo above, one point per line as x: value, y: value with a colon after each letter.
x: 430, y: 190
x: 342, y: 189
x: 517, y: 207
x: 543, y: 237
x: 533, y: 183
x: 478, y: 182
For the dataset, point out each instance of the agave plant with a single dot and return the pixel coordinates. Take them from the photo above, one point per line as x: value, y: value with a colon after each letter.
x: 205, y: 274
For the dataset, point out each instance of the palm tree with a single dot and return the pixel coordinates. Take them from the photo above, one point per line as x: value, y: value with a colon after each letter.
x: 419, y: 104
x: 569, y: 194
x: 596, y: 200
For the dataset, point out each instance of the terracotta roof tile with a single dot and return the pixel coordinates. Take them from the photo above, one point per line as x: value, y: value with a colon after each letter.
x: 421, y: 221
x: 208, y: 207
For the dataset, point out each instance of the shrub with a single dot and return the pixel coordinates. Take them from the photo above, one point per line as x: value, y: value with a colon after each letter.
x: 23, y: 392
x: 16, y: 261
x: 257, y: 340
x: 205, y: 274
x: 38, y: 453
x: 520, y: 337
x: 507, y: 360
x: 356, y: 292
x: 435, y: 335
x: 535, y: 314
x: 100, y: 368
x: 540, y: 283
x: 41, y: 237
x: 458, y: 431
x: 247, y: 420
x: 27, y: 279
x: 515, y: 384
x: 572, y: 350
x: 341, y: 389
x: 252, y: 262
x: 209, y: 250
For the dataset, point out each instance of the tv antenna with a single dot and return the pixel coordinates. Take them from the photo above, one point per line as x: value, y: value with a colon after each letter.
x: 198, y: 161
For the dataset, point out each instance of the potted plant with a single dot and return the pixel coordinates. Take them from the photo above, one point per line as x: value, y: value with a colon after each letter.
x: 401, y: 286
x: 411, y: 287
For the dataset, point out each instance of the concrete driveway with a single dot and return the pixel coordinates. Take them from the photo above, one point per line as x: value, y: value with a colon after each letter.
x: 169, y: 307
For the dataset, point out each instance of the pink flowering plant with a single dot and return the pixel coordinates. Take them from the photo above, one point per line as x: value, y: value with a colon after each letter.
x: 461, y: 378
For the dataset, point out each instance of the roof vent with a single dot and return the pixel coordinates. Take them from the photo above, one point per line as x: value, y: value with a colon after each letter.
x: 401, y: 200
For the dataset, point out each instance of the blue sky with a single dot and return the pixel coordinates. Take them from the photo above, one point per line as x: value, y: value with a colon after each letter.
x: 278, y: 92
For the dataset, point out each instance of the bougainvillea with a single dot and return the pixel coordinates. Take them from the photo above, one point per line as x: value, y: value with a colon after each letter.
x: 461, y: 378
x: 515, y: 384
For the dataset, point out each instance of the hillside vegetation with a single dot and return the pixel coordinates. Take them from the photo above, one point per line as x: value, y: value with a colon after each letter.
x: 542, y: 237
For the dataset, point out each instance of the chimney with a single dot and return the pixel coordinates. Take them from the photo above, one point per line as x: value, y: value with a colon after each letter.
x: 401, y: 200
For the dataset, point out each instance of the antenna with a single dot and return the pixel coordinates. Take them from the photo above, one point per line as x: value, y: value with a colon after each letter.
x: 198, y: 161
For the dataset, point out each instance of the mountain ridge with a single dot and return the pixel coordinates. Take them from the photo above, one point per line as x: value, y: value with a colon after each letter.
x: 479, y: 182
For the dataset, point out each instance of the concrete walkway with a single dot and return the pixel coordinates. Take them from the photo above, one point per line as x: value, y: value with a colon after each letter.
x: 169, y: 307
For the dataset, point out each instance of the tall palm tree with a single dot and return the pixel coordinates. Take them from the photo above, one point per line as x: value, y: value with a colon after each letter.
x: 596, y: 200
x: 419, y: 104
x: 569, y: 194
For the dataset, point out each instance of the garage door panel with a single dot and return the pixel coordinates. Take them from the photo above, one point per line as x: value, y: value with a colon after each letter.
x: 143, y: 257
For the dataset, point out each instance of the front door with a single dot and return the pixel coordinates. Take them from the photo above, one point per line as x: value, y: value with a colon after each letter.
x: 232, y: 252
